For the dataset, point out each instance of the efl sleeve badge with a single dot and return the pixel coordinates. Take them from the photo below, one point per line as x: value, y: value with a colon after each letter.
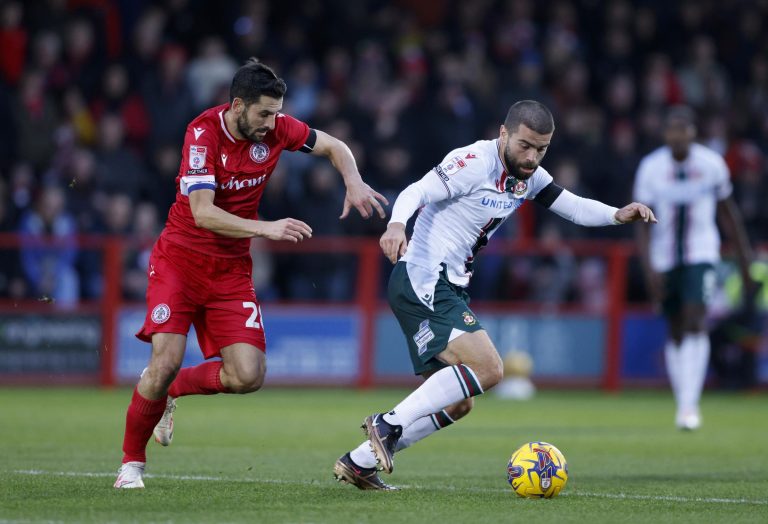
x: 197, y: 157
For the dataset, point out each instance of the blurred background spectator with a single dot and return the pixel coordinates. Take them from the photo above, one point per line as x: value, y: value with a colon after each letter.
x: 50, y: 269
x: 95, y: 96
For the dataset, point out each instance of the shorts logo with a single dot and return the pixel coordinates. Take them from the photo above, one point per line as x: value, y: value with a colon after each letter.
x: 161, y: 313
x: 259, y: 152
x: 423, y: 336
x: 197, y: 156
x: 469, y: 318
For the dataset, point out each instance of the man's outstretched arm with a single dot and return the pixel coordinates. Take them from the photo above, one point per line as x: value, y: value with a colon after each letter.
x: 359, y: 194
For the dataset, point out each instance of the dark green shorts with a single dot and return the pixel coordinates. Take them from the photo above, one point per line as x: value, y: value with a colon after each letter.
x: 426, y: 330
x: 688, y: 284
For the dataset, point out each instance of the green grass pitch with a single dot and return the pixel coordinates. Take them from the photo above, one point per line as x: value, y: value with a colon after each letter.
x: 267, y: 457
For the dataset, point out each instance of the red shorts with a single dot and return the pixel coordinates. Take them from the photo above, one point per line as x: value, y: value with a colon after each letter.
x: 215, y: 294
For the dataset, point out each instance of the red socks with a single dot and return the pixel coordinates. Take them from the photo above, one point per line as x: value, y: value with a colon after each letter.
x: 142, y: 417
x: 144, y: 414
x: 199, y: 380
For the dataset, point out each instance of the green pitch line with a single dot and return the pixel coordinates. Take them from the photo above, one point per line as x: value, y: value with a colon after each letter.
x: 267, y: 457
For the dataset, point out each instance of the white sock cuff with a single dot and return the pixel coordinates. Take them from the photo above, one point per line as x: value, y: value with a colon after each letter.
x: 470, y: 385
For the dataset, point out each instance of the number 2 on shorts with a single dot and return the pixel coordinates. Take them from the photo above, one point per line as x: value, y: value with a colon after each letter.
x: 255, y: 318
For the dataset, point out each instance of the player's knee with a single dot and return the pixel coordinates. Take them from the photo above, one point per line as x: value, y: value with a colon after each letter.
x: 493, y: 372
x: 160, y: 374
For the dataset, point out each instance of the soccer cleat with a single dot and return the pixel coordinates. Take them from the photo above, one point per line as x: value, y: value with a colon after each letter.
x: 130, y: 475
x: 689, y: 421
x: 164, y: 429
x: 345, y: 470
x: 383, y: 437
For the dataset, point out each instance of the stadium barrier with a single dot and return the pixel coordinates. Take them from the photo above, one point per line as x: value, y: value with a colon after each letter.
x: 352, y: 342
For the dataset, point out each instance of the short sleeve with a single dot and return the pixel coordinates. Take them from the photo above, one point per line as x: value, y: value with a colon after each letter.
x: 461, y: 172
x: 723, y: 185
x: 291, y: 132
x: 198, y: 166
x: 642, y: 190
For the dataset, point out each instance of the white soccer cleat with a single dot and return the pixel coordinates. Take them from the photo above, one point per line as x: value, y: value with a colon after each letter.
x: 689, y: 421
x: 164, y: 429
x: 130, y: 475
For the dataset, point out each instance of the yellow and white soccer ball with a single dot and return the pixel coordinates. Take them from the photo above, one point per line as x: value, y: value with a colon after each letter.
x: 537, y: 470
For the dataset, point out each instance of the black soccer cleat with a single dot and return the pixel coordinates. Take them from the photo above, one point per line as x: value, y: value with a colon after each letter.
x: 383, y: 437
x: 345, y: 470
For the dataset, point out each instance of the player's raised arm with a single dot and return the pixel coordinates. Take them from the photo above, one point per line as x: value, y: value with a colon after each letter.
x: 211, y: 217
x: 359, y: 194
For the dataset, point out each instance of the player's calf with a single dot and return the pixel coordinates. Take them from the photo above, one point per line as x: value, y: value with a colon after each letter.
x: 244, y: 384
x: 243, y: 368
x: 460, y: 409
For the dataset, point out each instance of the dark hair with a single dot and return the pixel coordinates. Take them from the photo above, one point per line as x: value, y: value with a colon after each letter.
x: 680, y: 114
x: 534, y: 115
x: 253, y: 80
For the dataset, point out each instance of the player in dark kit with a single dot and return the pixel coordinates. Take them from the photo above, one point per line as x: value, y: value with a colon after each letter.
x: 200, y: 267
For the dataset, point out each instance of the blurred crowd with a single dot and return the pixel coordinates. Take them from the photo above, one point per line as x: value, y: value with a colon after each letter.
x: 95, y: 96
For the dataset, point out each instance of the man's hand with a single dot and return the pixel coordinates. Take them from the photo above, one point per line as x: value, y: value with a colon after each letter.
x: 288, y: 229
x: 364, y: 199
x: 635, y: 212
x: 393, y: 242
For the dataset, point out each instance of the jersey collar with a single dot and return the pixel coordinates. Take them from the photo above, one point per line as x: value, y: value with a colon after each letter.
x: 224, y: 126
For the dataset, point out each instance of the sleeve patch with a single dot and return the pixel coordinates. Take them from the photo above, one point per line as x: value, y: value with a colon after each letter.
x: 197, y: 156
x: 441, y: 173
x: 443, y: 178
x: 452, y: 166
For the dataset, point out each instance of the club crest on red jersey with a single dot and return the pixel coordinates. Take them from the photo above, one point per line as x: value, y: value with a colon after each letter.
x: 259, y: 152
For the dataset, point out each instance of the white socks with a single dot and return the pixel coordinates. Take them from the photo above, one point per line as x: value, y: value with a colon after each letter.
x: 694, y: 352
x: 672, y: 357
x: 446, y: 387
x: 421, y: 413
x: 687, y: 368
x: 363, y: 456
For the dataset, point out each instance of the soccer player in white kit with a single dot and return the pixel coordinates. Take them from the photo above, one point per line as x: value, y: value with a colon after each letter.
x: 463, y: 200
x: 689, y: 187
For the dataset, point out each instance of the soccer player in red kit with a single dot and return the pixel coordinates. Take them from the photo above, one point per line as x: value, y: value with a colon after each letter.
x: 200, y: 267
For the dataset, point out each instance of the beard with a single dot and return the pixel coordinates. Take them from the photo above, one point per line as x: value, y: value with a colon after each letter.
x: 514, y: 167
x: 249, y: 132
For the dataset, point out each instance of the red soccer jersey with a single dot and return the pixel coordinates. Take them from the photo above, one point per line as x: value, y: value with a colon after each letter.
x: 235, y: 169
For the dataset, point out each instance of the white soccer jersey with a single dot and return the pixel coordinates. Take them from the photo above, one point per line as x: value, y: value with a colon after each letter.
x: 479, y: 196
x: 684, y: 197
